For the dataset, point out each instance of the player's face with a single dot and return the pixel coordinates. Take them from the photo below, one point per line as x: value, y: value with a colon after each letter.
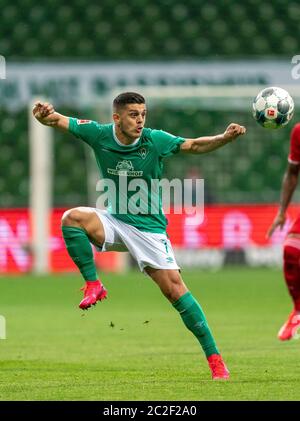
x: 130, y: 121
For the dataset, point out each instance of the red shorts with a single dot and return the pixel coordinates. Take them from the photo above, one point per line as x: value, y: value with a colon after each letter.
x: 295, y: 228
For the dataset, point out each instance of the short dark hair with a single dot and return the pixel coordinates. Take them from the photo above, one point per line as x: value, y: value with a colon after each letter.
x: 128, y: 98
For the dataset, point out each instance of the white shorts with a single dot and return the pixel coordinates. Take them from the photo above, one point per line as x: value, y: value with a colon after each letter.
x: 147, y: 248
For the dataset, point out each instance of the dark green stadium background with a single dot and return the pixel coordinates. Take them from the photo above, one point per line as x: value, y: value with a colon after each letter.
x: 148, y: 30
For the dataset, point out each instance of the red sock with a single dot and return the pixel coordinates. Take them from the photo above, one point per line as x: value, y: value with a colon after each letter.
x: 291, y: 267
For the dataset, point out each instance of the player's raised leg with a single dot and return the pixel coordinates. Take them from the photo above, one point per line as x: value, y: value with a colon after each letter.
x: 173, y: 287
x: 80, y: 226
x: 291, y: 266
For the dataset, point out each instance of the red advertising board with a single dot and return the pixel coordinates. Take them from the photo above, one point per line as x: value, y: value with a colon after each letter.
x: 229, y: 226
x: 224, y: 226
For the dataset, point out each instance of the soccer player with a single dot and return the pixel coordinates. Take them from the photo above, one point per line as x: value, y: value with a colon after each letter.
x: 291, y: 246
x: 126, y: 149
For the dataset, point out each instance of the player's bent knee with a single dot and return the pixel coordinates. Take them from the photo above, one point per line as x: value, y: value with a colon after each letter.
x: 173, y: 294
x: 175, y: 279
x: 174, y: 288
x: 72, y: 217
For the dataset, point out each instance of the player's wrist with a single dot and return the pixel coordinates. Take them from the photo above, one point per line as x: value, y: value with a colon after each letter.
x: 227, y: 138
x: 281, y: 213
x: 222, y: 138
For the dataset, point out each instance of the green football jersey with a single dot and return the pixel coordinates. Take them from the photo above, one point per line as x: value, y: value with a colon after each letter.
x: 130, y: 173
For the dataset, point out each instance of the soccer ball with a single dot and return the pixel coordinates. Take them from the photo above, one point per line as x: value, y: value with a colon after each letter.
x: 273, y: 108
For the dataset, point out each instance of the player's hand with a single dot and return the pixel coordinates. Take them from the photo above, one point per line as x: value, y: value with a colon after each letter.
x: 233, y: 131
x: 279, y: 221
x: 42, y: 111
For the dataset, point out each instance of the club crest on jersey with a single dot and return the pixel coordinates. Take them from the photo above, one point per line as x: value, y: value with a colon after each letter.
x: 143, y: 152
x: 124, y: 167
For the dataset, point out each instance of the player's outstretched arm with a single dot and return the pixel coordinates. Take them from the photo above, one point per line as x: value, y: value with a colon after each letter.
x: 210, y: 143
x: 289, y: 184
x: 46, y: 114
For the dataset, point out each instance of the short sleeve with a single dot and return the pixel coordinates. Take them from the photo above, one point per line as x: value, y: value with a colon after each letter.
x: 166, y: 143
x: 86, y: 130
x: 294, y: 155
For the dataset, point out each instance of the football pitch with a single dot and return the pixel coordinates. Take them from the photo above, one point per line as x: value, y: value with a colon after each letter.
x: 134, y: 346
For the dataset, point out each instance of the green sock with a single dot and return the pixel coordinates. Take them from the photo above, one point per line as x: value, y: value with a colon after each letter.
x: 194, y: 319
x: 80, y: 250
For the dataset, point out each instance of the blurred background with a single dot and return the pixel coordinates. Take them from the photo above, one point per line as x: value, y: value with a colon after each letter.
x: 199, y: 64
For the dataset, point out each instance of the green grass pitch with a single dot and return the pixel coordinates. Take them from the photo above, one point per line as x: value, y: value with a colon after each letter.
x: 134, y: 346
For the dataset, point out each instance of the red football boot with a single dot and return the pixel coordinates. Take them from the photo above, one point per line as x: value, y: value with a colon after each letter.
x: 93, y: 291
x: 289, y: 329
x: 219, y: 371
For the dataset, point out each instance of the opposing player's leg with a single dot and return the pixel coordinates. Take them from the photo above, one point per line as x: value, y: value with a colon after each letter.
x: 174, y: 289
x: 80, y: 227
x: 291, y: 267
